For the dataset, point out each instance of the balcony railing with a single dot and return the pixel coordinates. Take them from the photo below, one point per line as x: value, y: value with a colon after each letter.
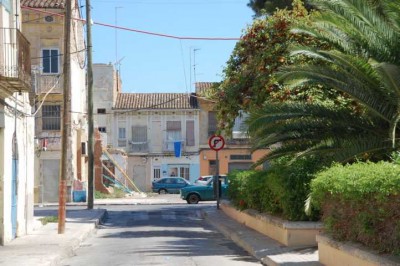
x: 15, y: 61
x: 44, y: 83
x: 168, y: 145
x: 139, y: 147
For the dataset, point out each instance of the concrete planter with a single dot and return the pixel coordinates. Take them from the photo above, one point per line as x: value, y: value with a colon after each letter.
x: 291, y: 234
x: 334, y: 253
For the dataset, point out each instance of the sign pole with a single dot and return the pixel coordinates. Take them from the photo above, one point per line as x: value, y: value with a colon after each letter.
x: 217, y: 178
x: 216, y: 143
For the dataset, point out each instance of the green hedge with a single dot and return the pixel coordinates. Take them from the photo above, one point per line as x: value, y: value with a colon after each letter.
x: 281, y: 190
x: 361, y: 202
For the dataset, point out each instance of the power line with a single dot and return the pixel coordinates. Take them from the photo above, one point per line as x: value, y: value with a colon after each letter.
x: 142, y: 31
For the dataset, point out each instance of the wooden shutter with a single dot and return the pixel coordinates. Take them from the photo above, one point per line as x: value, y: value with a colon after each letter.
x: 190, y: 133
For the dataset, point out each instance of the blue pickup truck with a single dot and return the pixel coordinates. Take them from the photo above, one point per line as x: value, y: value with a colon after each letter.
x: 194, y: 194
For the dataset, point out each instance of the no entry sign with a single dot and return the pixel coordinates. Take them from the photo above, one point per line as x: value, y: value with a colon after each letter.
x: 216, y: 143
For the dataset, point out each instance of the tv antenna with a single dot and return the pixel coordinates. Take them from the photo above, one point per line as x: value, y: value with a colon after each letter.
x: 194, y: 63
x: 116, y: 35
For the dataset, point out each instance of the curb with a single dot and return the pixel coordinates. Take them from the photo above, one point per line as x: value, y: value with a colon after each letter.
x: 263, y: 248
x: 68, y: 249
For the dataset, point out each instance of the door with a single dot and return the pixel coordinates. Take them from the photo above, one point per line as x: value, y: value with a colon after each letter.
x: 179, y: 171
x: 139, y: 177
x: 50, y: 176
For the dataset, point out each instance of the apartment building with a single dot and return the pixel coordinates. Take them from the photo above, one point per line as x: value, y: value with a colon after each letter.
x: 16, y: 127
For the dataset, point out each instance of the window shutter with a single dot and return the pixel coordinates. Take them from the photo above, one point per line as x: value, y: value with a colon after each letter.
x: 190, y: 133
x: 173, y: 125
x: 212, y: 123
x: 46, y: 61
x: 139, y: 134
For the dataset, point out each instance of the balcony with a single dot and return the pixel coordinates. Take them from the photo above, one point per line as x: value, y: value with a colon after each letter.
x: 139, y: 147
x: 15, y: 62
x: 169, y: 145
x: 44, y: 83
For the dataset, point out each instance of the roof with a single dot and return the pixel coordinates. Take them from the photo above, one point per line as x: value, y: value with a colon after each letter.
x: 203, y: 86
x: 44, y: 3
x: 156, y: 101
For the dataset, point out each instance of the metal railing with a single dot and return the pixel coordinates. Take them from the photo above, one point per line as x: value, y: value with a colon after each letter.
x: 140, y: 147
x: 168, y: 145
x: 15, y: 59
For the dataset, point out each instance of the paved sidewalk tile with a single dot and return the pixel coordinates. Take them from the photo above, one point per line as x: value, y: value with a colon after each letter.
x: 267, y: 250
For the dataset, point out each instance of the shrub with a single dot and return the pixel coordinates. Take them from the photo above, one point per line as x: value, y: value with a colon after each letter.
x: 281, y: 190
x: 361, y: 202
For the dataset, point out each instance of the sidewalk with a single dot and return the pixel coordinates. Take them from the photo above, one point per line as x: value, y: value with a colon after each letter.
x: 265, y: 249
x: 46, y: 247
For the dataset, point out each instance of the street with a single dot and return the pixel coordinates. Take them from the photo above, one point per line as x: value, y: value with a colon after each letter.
x: 158, y: 235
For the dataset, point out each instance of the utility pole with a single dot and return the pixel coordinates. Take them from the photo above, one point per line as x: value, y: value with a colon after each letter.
x: 90, y: 106
x: 66, y: 125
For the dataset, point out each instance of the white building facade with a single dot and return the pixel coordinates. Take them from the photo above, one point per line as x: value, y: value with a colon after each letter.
x: 159, y: 132
x: 16, y: 127
x: 45, y: 33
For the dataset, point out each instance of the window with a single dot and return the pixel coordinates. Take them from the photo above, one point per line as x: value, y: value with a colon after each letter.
x: 103, y: 129
x: 121, y: 137
x: 240, y: 157
x: 212, y: 167
x: 83, y: 148
x: 239, y: 128
x: 184, y: 172
x: 51, y: 117
x: 189, y: 133
x: 156, y: 173
x: 139, y: 139
x: 212, y: 123
x: 50, y: 61
x: 48, y: 18
x: 173, y: 133
x: 101, y: 110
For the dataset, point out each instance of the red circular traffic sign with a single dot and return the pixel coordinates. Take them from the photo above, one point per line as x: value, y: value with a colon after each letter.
x: 216, y: 142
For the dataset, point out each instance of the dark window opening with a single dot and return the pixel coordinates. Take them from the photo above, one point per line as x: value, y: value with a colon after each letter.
x: 240, y: 157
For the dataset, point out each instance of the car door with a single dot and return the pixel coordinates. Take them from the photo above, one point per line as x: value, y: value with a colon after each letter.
x: 208, y: 191
x: 180, y: 183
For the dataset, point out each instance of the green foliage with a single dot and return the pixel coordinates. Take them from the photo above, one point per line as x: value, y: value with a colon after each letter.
x: 361, y: 63
x: 281, y: 190
x: 249, y: 75
x: 117, y: 193
x: 361, y: 202
x: 269, y: 6
x: 49, y: 219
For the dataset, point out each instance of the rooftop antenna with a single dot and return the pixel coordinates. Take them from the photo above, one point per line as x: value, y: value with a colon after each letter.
x: 194, y: 64
x: 116, y: 35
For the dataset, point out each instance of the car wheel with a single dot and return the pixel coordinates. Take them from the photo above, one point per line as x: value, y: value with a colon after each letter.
x: 162, y: 191
x: 193, y: 199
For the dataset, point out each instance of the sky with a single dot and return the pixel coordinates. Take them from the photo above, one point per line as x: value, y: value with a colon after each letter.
x: 153, y: 64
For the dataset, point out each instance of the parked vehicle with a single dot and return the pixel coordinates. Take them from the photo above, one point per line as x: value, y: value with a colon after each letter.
x: 203, y: 180
x: 194, y: 194
x: 169, y: 185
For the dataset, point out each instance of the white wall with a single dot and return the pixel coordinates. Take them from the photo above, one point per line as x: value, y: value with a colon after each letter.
x: 25, y: 133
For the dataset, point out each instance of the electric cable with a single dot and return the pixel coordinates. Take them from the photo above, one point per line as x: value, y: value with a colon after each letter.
x: 140, y: 31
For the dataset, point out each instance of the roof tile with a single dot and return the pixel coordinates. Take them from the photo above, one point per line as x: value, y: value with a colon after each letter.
x: 156, y: 101
x: 44, y: 3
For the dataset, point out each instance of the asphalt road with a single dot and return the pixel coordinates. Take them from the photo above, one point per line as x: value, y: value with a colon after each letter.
x: 158, y: 235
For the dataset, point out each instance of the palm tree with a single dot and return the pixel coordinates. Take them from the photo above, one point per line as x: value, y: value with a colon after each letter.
x: 364, y: 64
